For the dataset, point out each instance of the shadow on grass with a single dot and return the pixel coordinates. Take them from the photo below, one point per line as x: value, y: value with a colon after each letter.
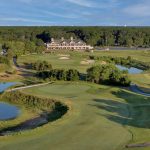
x: 132, y: 110
x: 44, y: 118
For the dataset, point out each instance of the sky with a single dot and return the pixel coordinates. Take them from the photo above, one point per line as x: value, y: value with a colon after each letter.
x: 74, y: 12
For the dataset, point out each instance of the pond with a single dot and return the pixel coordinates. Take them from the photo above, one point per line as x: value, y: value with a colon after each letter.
x: 131, y: 70
x: 7, y: 111
x: 5, y: 85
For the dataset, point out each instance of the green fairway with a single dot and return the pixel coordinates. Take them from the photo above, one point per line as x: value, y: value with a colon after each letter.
x: 75, y: 58
x: 142, y: 55
x: 100, y: 117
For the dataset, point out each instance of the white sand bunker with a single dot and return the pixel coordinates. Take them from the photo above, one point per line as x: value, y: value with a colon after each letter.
x: 63, y: 55
x: 87, y: 62
x: 64, y: 58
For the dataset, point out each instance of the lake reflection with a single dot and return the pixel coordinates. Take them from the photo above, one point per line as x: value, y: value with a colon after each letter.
x: 7, y: 111
x: 5, y: 85
x: 131, y: 70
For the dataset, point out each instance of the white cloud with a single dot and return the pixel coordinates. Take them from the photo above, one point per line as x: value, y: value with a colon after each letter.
x: 95, y: 4
x: 84, y: 3
x: 66, y: 15
x: 18, y: 19
x: 139, y: 10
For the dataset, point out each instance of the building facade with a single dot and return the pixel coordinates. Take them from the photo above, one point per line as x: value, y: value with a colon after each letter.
x: 71, y: 44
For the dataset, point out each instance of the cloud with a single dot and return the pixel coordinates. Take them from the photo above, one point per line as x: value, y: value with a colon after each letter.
x: 61, y: 15
x: 141, y: 9
x: 95, y: 4
x: 84, y: 3
x: 18, y: 19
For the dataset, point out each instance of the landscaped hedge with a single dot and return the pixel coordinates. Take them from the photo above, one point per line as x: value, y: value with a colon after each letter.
x: 34, y: 101
x: 41, y: 66
x: 129, y: 62
x: 59, y: 74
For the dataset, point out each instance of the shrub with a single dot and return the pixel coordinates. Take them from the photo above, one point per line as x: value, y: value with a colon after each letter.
x: 108, y: 74
x: 59, y: 74
x: 41, y: 66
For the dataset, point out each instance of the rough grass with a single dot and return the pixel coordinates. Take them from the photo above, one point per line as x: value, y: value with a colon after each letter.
x: 3, y: 68
x: 101, y: 117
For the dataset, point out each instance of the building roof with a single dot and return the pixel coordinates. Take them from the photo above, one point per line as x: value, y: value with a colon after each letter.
x: 67, y: 40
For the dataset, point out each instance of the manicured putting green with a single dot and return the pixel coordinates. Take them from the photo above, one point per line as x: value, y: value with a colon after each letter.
x: 63, y: 89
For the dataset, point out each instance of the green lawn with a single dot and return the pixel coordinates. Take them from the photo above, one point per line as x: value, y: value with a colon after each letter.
x: 76, y: 57
x: 100, y: 117
x: 142, y: 55
x: 142, y: 80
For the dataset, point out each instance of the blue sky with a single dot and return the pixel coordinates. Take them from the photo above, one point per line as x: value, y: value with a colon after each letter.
x: 75, y: 12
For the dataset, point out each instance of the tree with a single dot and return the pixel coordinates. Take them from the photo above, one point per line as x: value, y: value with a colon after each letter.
x: 41, y: 66
x: 109, y: 74
x: 45, y: 36
x: 40, y: 49
x: 72, y: 75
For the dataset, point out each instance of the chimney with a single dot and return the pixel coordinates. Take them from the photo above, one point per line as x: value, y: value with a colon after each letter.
x: 71, y: 38
x: 62, y: 39
x: 52, y: 39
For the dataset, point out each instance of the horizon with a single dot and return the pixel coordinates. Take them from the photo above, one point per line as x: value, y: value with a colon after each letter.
x: 75, y: 13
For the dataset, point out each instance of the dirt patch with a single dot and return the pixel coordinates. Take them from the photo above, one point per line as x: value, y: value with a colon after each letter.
x: 87, y: 62
x: 28, y: 124
x: 138, y: 145
x: 9, y: 77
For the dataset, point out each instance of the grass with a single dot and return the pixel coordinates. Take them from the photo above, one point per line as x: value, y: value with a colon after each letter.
x: 4, y: 68
x: 142, y: 55
x: 77, y: 57
x: 74, y: 62
x: 142, y: 80
x: 101, y: 117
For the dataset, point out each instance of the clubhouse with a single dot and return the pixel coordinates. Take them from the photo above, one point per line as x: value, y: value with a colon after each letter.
x: 71, y: 44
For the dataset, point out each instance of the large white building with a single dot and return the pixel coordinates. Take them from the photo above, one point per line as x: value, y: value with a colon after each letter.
x: 71, y: 44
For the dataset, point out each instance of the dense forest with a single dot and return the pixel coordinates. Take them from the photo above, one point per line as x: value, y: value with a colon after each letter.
x: 24, y: 40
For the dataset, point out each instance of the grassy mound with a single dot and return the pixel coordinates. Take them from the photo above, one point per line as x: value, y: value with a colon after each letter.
x: 46, y: 110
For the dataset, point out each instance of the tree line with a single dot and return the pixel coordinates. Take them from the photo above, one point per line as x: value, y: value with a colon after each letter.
x: 59, y: 74
x: 23, y: 40
x: 102, y: 74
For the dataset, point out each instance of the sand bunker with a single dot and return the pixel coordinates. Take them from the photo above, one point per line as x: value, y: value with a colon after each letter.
x: 87, y: 62
x: 63, y: 55
x: 64, y: 58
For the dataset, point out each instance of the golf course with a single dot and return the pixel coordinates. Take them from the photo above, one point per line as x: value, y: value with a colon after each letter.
x: 99, y: 117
